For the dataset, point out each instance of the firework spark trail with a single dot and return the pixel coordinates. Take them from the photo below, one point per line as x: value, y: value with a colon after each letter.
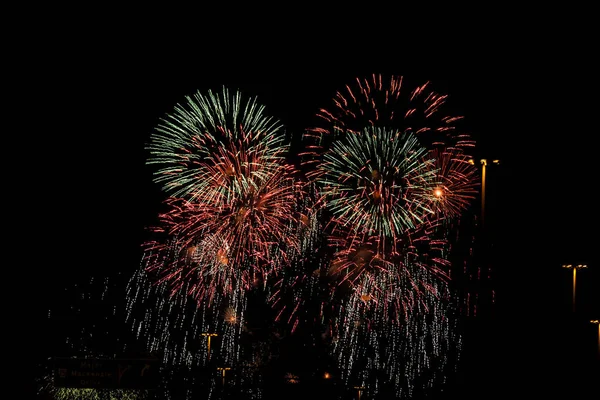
x: 393, y: 304
x: 176, y: 322
x: 295, y: 289
x: 397, y: 311
x: 366, y: 343
x: 172, y: 325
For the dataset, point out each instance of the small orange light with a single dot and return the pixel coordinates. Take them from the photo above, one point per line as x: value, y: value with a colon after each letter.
x: 438, y: 192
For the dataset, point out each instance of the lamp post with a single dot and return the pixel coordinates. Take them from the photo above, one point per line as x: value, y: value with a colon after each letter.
x: 597, y: 322
x: 359, y: 389
x: 223, y: 370
x: 208, y: 336
x: 484, y: 164
x: 574, y: 268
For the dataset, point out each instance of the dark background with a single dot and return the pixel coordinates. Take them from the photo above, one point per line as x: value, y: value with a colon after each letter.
x: 93, y: 96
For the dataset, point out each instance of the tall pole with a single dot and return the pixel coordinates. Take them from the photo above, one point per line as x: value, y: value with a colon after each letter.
x: 597, y: 322
x: 223, y: 370
x: 358, y: 390
x: 484, y: 164
x: 574, y: 286
x: 208, y: 336
x: 483, y: 169
x: 574, y: 268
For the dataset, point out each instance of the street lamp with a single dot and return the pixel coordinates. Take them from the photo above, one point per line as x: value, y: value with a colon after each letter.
x: 208, y: 336
x: 484, y: 164
x: 223, y: 370
x: 359, y: 389
x: 597, y: 322
x: 574, y: 268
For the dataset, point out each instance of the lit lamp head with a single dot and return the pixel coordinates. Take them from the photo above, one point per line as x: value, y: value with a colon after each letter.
x: 595, y: 321
x: 483, y: 161
x: 573, y: 266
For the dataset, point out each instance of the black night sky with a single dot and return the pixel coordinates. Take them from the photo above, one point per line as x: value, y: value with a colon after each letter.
x: 96, y: 104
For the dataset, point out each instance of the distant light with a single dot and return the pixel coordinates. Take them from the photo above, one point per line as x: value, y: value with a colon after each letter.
x: 326, y: 375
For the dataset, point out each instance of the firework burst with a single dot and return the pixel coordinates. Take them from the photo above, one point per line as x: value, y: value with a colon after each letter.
x: 360, y: 249
x: 392, y: 175
x: 208, y: 138
x: 387, y: 102
x: 231, y: 218
x: 378, y: 181
x: 232, y: 241
x: 230, y: 225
